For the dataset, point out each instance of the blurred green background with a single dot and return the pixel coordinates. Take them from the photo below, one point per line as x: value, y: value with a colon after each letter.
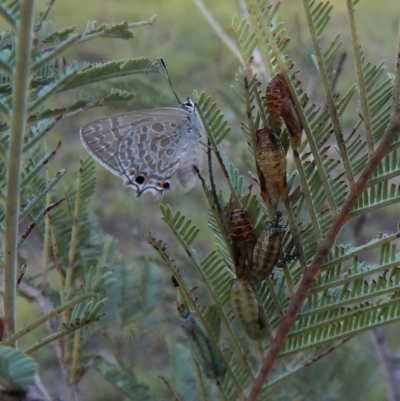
x: 198, y: 59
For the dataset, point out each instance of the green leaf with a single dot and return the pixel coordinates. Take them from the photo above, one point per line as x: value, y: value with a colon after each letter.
x: 123, y: 381
x: 113, y: 69
x: 17, y: 369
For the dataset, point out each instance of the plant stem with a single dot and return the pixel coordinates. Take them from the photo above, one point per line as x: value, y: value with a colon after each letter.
x: 75, y: 226
x: 18, y: 123
x: 47, y: 316
x: 322, y: 252
x: 360, y: 76
x: 46, y: 241
x: 337, y: 128
x: 216, y: 27
x: 75, y: 358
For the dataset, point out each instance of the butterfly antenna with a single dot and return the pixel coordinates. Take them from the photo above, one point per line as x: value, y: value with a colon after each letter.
x: 164, y: 67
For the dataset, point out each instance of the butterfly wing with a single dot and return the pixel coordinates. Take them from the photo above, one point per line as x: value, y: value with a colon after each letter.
x: 145, y: 148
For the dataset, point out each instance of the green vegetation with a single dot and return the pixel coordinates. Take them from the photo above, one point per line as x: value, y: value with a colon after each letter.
x: 83, y: 276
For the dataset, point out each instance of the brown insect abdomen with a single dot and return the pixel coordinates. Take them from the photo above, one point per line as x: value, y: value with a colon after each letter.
x: 267, y: 251
x: 271, y: 159
x: 280, y: 106
x: 244, y: 238
x: 276, y: 95
x: 292, y: 121
x: 241, y: 228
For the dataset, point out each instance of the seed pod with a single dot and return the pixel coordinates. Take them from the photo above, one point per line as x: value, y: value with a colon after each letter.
x: 280, y: 105
x: 247, y: 310
x: 268, y: 248
x: 271, y: 160
x: 202, y: 349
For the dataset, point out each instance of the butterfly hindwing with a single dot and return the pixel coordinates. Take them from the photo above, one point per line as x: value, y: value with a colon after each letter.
x: 147, y: 147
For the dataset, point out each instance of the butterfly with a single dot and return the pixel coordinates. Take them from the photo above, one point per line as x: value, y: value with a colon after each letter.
x: 147, y: 148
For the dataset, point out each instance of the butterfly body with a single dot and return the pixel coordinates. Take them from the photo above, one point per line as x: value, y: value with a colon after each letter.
x: 146, y: 148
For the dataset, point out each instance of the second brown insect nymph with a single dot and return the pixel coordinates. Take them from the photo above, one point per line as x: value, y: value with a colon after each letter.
x: 241, y: 228
x: 280, y: 105
x: 243, y: 236
x: 268, y: 248
x: 271, y: 160
x: 247, y: 310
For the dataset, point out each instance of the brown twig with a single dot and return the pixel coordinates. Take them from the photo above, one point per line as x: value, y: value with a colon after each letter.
x: 45, y: 306
x: 32, y: 225
x: 327, y: 351
x: 338, y: 70
x: 211, y: 176
x: 321, y: 254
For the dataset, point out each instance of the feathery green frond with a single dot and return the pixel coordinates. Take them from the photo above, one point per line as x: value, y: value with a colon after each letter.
x: 214, y: 123
x: 245, y: 41
x: 17, y: 369
x: 184, y: 229
x: 123, y: 381
x: 268, y: 40
x: 10, y: 12
x: 99, y: 72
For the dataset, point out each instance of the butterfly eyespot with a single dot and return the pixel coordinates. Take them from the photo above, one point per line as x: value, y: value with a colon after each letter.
x: 139, y: 180
x: 164, y: 184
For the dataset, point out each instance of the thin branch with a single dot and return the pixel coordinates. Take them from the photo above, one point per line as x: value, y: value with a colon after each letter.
x: 200, y: 380
x: 34, y: 222
x: 169, y: 387
x: 217, y: 215
x: 327, y: 351
x: 211, y: 177
x: 360, y: 76
x: 45, y: 306
x: 216, y: 150
x: 338, y: 70
x: 18, y: 123
x: 216, y: 27
x: 328, y: 95
x: 74, y: 231
x: 46, y: 240
x: 321, y: 254
x: 75, y: 358
x: 43, y: 15
x: 49, y: 312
